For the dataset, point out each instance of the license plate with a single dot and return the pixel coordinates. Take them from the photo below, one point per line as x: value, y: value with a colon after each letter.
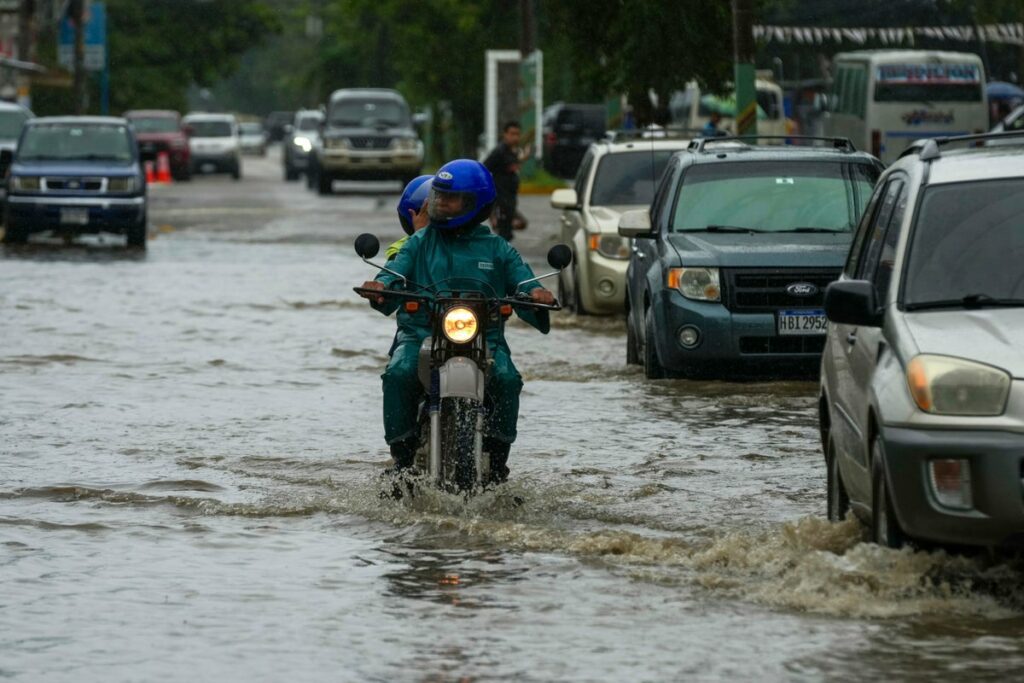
x: 74, y: 216
x: 802, y: 322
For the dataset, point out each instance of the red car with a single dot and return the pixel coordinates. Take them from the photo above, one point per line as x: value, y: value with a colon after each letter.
x: 161, y: 131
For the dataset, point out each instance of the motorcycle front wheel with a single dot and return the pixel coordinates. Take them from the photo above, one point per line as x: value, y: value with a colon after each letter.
x: 458, y: 442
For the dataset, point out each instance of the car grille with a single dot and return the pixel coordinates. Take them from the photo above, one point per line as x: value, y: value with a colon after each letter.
x: 756, y: 345
x: 369, y: 143
x: 759, y: 290
x: 79, y: 184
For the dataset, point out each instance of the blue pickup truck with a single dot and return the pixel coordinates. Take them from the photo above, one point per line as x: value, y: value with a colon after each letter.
x: 729, y: 265
x: 74, y: 175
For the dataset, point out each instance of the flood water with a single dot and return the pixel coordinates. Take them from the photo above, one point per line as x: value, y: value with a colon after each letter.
x: 190, y: 452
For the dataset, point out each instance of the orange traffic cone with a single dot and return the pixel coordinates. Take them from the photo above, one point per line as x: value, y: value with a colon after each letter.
x: 150, y: 176
x: 163, y: 168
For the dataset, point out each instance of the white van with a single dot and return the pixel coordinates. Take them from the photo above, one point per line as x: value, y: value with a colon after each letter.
x: 214, y: 143
x: 885, y: 99
x: 689, y: 111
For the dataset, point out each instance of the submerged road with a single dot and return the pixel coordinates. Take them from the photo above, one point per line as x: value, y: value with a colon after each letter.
x: 190, y: 450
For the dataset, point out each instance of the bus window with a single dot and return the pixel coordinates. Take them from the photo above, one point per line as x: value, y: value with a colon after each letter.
x: 941, y: 82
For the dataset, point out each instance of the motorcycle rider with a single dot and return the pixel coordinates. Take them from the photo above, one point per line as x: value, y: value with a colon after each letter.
x: 412, y: 211
x: 456, y: 246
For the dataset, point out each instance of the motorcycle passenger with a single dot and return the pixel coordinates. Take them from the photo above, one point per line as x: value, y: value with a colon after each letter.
x: 412, y: 211
x: 456, y: 247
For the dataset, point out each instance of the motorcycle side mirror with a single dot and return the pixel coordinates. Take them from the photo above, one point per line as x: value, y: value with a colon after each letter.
x: 559, y: 256
x: 367, y: 246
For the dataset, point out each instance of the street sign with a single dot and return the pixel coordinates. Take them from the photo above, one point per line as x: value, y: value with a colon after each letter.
x: 95, y: 39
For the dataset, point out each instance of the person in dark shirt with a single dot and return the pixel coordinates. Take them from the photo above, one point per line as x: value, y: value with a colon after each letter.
x: 503, y: 163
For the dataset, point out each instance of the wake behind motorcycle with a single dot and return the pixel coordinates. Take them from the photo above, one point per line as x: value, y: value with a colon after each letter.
x: 454, y: 363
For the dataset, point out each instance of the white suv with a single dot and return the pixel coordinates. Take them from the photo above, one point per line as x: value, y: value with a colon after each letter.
x: 922, y: 381
x: 214, y: 143
x: 616, y: 175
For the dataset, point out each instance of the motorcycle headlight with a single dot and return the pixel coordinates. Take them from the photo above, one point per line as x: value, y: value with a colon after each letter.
x: 610, y: 246
x: 121, y: 184
x: 952, y: 386
x: 460, y: 325
x: 303, y: 143
x: 25, y: 183
x: 699, y: 284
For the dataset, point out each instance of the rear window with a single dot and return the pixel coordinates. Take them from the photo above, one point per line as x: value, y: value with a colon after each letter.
x: 590, y: 120
x: 309, y: 123
x: 211, y: 129
x: 968, y: 240
x: 941, y: 82
x: 628, y: 178
x: 64, y: 142
x: 775, y: 196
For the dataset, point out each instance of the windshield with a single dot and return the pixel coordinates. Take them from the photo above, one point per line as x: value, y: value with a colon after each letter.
x: 11, y: 123
x: 928, y: 83
x: 309, y: 123
x: 629, y: 178
x: 210, y: 129
x: 774, y: 196
x: 156, y: 124
x: 369, y: 113
x: 250, y: 129
x: 968, y: 240
x: 76, y: 142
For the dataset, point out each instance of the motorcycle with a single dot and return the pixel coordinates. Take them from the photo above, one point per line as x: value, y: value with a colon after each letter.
x: 454, y: 362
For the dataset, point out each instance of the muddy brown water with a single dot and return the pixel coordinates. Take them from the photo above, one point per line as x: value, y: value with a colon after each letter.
x: 190, y: 445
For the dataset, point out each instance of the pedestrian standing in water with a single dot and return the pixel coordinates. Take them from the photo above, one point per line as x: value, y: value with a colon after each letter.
x: 503, y: 163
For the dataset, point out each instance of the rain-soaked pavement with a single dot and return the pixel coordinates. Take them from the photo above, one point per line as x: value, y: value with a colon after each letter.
x: 190, y: 445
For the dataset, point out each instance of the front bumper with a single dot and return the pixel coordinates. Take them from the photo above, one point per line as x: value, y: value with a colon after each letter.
x: 220, y: 160
x: 749, y: 340
x: 996, y: 459
x: 602, y: 283
x: 358, y: 163
x: 105, y: 214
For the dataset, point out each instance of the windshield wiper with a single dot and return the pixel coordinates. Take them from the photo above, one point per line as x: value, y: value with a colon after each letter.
x: 723, y: 228
x: 93, y: 157
x: 969, y: 301
x: 817, y: 230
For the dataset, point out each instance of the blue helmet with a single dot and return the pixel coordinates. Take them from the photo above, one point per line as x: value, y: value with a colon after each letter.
x: 413, y: 196
x: 462, y: 193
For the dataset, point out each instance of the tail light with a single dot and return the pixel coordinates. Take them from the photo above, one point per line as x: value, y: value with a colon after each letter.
x: 876, y: 142
x: 550, y: 139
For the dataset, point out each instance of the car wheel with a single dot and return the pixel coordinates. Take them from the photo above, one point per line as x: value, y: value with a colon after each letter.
x: 838, y: 501
x: 632, y: 346
x: 885, y: 528
x: 137, y: 234
x: 236, y: 171
x: 652, y: 364
x: 577, y: 300
x: 563, y: 294
x: 184, y: 175
x: 14, y: 233
x: 324, y: 183
x: 290, y: 174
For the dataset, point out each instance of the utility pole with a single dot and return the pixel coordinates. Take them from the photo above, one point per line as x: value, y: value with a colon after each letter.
x: 27, y: 31
x: 76, y: 13
x: 743, y: 50
x: 527, y: 29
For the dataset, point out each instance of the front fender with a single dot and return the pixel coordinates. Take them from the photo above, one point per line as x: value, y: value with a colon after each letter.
x: 461, y: 378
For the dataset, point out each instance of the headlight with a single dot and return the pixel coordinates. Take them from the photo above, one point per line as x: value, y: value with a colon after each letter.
x: 611, y: 246
x: 336, y: 143
x: 121, y: 184
x: 952, y: 386
x: 303, y: 143
x: 405, y: 144
x: 26, y: 183
x: 700, y: 284
x: 460, y: 325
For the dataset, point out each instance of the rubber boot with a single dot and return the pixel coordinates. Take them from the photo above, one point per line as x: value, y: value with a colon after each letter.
x: 404, y: 455
x: 498, y: 450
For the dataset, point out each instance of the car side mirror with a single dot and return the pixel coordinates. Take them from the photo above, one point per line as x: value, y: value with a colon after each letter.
x: 367, y: 246
x: 852, y: 302
x: 559, y: 256
x: 565, y: 199
x: 635, y: 224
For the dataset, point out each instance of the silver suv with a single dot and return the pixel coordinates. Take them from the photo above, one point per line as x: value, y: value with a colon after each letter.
x: 922, y: 383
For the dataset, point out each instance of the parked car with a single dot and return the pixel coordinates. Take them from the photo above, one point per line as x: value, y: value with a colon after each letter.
x: 615, y: 176
x: 252, y: 139
x: 276, y: 123
x: 569, y: 130
x: 922, y: 382
x: 302, y: 136
x: 75, y: 175
x: 214, y: 144
x: 368, y: 135
x: 12, y: 120
x: 730, y: 262
x: 161, y: 131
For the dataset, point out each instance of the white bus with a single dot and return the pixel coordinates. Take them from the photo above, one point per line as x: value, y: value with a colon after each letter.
x: 884, y: 100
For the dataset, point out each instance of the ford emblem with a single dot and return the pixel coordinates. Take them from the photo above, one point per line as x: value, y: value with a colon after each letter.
x: 73, y: 185
x: 802, y: 289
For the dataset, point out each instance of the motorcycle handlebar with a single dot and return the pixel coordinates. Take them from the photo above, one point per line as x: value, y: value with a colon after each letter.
x: 515, y: 301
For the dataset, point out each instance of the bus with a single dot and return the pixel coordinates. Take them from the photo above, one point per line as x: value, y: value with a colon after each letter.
x: 692, y: 108
x: 883, y: 100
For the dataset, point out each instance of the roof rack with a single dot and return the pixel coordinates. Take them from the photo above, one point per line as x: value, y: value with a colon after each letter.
x: 651, y: 133
x: 843, y: 144
x: 927, y: 149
